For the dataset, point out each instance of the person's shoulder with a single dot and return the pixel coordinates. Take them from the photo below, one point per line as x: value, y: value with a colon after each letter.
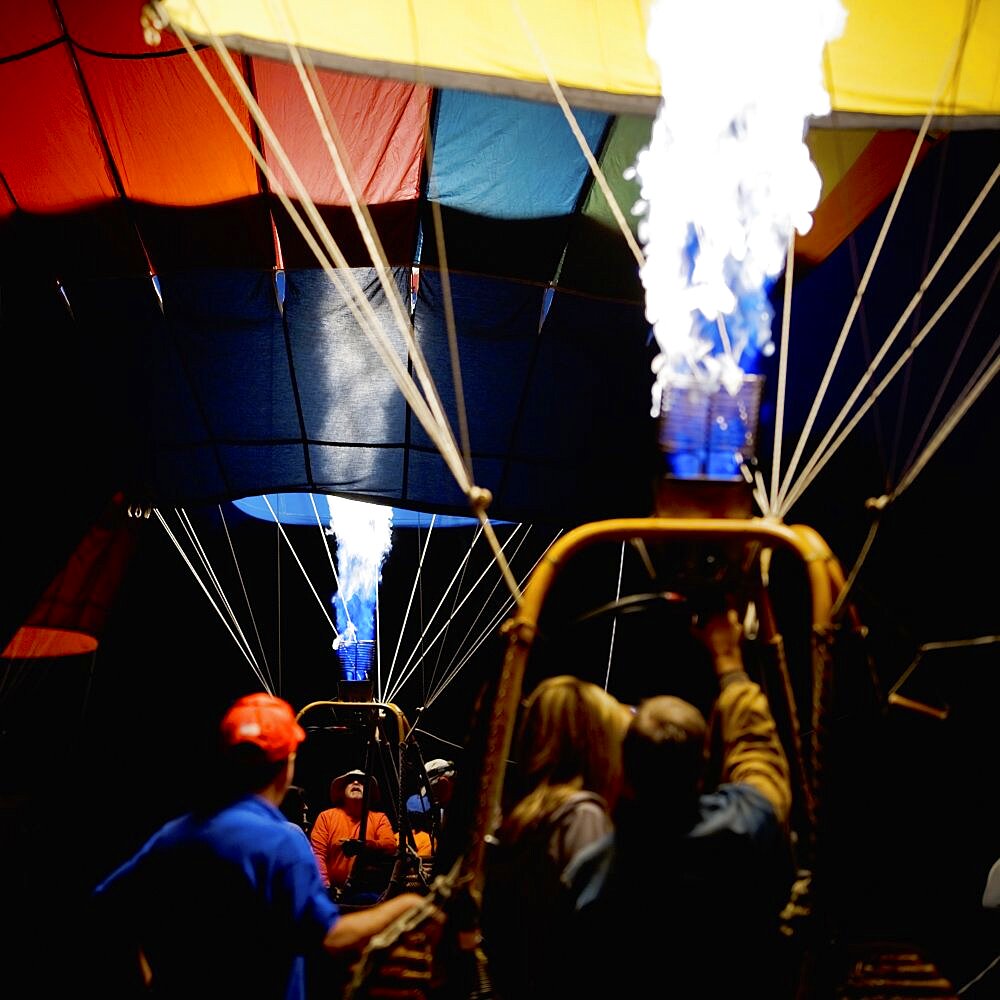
x: 252, y: 808
x: 578, y: 802
x: 330, y: 812
x: 254, y: 820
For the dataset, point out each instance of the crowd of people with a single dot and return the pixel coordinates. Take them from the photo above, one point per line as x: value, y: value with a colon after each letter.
x: 228, y: 900
x: 604, y: 804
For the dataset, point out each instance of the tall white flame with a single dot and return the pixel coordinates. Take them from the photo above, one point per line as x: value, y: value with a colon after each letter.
x: 727, y: 173
x: 364, y: 537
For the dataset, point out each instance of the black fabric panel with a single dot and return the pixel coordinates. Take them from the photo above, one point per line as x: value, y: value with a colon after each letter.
x: 599, y: 262
x: 56, y: 461
x: 99, y: 242
x: 235, y: 234
x: 113, y: 240
x: 528, y: 249
x: 395, y: 223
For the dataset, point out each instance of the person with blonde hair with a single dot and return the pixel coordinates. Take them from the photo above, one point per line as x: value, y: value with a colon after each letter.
x: 567, y: 780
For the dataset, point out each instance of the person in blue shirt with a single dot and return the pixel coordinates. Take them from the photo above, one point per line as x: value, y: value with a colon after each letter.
x: 687, y: 891
x: 227, y: 900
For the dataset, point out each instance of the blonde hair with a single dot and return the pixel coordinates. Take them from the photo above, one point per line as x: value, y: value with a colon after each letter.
x: 569, y: 739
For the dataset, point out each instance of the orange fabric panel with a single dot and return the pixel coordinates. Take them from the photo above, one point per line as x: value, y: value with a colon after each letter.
x: 871, y: 179
x: 170, y: 139
x: 58, y: 165
x: 381, y: 124
x: 33, y: 642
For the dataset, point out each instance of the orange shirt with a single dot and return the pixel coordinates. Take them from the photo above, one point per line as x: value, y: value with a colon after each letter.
x: 422, y: 840
x: 333, y: 827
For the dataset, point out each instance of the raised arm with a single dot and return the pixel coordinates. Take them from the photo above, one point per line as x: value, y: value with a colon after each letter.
x: 752, y: 751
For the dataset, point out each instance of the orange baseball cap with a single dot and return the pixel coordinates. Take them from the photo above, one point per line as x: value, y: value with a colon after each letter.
x: 266, y: 721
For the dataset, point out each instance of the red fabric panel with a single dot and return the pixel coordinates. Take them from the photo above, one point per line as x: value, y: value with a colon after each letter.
x: 382, y: 131
x: 110, y: 26
x: 50, y: 152
x: 170, y: 139
x: 33, y: 25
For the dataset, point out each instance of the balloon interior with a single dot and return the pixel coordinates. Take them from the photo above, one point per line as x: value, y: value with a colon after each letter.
x: 626, y: 327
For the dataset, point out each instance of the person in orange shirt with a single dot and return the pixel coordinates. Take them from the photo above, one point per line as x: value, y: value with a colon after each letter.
x: 336, y: 836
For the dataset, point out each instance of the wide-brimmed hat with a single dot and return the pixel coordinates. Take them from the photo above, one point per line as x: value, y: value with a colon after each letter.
x: 338, y: 785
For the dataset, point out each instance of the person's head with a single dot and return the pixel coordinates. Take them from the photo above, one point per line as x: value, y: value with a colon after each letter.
x: 663, y: 757
x: 441, y: 779
x: 260, y: 736
x: 571, y: 734
x: 437, y: 793
x: 348, y: 791
x: 295, y: 806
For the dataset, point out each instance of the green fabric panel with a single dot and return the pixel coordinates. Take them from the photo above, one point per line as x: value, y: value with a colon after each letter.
x: 598, y: 259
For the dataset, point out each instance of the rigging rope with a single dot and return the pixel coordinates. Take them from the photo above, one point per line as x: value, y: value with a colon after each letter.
x: 426, y: 410
x: 906, y: 355
x: 782, y: 504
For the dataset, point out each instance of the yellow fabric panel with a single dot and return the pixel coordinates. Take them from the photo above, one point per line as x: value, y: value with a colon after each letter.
x: 894, y: 54
x: 889, y: 61
x: 591, y: 44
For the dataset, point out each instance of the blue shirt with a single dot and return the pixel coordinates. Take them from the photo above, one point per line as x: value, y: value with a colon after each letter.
x: 694, y: 914
x: 225, y: 903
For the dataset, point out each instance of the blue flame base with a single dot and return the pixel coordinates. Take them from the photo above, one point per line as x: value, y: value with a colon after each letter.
x: 356, y: 659
x: 709, y: 434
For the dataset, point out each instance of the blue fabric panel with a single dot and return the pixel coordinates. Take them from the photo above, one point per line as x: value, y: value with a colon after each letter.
x: 220, y: 396
x: 505, y: 158
x: 222, y: 410
x: 497, y: 323
x: 353, y: 413
x: 244, y: 400
x: 585, y: 440
x: 559, y: 419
